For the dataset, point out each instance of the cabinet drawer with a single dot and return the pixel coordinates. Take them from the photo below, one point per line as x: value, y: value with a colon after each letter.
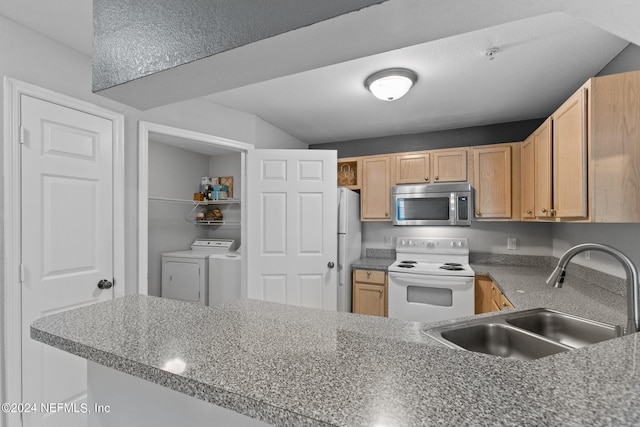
x: 370, y: 276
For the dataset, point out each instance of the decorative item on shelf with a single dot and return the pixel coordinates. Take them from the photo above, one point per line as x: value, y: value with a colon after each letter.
x: 200, y: 216
x: 227, y: 186
x: 346, y: 176
x: 213, y: 215
x: 198, y: 197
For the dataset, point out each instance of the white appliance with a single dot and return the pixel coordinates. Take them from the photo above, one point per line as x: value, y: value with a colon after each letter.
x: 224, y: 278
x: 349, y: 243
x: 432, y: 204
x: 431, y: 280
x: 185, y: 274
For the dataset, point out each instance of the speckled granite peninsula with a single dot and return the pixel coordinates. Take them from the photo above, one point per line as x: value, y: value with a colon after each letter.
x: 287, y: 365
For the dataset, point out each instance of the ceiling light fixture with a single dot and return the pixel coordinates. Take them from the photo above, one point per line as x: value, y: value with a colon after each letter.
x: 391, y: 84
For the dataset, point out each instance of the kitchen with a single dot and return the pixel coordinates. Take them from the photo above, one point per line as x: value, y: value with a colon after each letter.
x: 490, y: 237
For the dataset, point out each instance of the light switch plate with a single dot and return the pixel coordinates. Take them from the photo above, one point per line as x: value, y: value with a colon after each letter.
x: 512, y: 243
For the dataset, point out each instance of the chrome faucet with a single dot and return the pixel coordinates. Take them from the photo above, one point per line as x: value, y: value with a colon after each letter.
x: 633, y: 308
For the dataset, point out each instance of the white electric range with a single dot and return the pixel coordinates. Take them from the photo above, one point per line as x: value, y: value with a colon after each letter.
x: 431, y: 280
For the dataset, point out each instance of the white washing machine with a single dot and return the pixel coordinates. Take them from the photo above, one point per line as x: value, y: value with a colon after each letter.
x: 224, y: 278
x: 185, y: 274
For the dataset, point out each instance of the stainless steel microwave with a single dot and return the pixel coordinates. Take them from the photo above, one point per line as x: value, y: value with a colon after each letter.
x: 432, y: 204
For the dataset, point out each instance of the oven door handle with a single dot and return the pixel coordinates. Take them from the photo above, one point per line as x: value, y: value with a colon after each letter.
x: 446, y: 282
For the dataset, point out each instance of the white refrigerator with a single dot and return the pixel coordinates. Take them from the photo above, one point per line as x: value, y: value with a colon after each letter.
x: 349, y: 243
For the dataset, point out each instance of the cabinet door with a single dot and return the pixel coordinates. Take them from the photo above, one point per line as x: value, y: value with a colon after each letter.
x: 528, y: 178
x: 543, y: 169
x: 483, y: 295
x: 369, y: 299
x: 492, y: 181
x: 412, y: 168
x: 449, y: 165
x: 376, y: 187
x: 570, y: 157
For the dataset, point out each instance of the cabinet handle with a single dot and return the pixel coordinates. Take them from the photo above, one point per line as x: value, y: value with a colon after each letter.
x: 529, y: 212
x: 386, y: 214
x: 426, y: 178
x: 437, y: 177
x: 380, y: 290
x: 544, y: 210
x: 478, y: 213
x: 552, y: 211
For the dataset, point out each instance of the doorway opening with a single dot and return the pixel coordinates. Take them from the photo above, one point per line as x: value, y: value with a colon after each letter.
x: 171, y: 165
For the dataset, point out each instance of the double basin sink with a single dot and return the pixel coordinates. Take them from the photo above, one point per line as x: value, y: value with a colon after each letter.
x: 523, y: 335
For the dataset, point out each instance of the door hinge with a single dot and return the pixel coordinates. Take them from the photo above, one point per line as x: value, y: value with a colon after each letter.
x: 21, y: 134
x: 22, y: 274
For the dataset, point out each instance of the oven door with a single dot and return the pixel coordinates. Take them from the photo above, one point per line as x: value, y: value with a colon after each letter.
x: 430, y: 298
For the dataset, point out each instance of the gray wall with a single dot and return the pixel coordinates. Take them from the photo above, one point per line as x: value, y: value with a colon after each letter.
x: 464, y: 137
x: 627, y: 60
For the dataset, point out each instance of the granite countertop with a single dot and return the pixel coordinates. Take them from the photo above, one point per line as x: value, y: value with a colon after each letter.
x: 289, y: 365
x: 372, y: 263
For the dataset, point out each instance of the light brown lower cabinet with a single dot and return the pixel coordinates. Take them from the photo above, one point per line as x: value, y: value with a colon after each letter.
x: 488, y: 296
x: 370, y: 292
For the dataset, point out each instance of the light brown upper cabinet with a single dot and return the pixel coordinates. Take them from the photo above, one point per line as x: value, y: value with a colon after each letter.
x: 570, y: 157
x: 527, y: 197
x: 449, y: 165
x: 537, y: 173
x: 412, y: 168
x: 433, y: 166
x: 614, y: 133
x: 542, y: 139
x: 496, y: 181
x: 586, y: 158
x: 375, y: 198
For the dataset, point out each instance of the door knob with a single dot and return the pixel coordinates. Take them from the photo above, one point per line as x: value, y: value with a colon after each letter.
x: 330, y: 264
x: 104, y: 284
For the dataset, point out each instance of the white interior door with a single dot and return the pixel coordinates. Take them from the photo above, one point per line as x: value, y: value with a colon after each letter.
x: 292, y: 227
x: 67, y: 242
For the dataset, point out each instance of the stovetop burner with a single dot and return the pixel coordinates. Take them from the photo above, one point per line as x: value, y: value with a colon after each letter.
x: 406, y: 265
x: 450, y: 267
x: 408, y: 262
x: 453, y: 264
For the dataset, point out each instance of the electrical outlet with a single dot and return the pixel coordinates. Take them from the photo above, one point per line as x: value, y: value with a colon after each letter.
x: 587, y: 254
x: 512, y: 243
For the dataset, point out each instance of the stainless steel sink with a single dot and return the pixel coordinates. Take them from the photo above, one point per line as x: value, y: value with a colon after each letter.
x: 503, y: 340
x: 564, y: 328
x: 523, y: 335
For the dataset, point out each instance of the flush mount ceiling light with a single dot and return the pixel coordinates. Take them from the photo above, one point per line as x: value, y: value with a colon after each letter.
x: 391, y: 84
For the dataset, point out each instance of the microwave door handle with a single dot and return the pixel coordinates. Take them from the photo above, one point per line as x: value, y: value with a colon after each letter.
x: 454, y: 209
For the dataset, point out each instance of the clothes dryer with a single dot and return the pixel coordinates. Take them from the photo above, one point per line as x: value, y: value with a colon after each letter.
x: 185, y: 274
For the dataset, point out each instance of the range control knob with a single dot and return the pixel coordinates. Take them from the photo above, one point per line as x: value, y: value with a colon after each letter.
x: 431, y: 245
x: 403, y: 243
